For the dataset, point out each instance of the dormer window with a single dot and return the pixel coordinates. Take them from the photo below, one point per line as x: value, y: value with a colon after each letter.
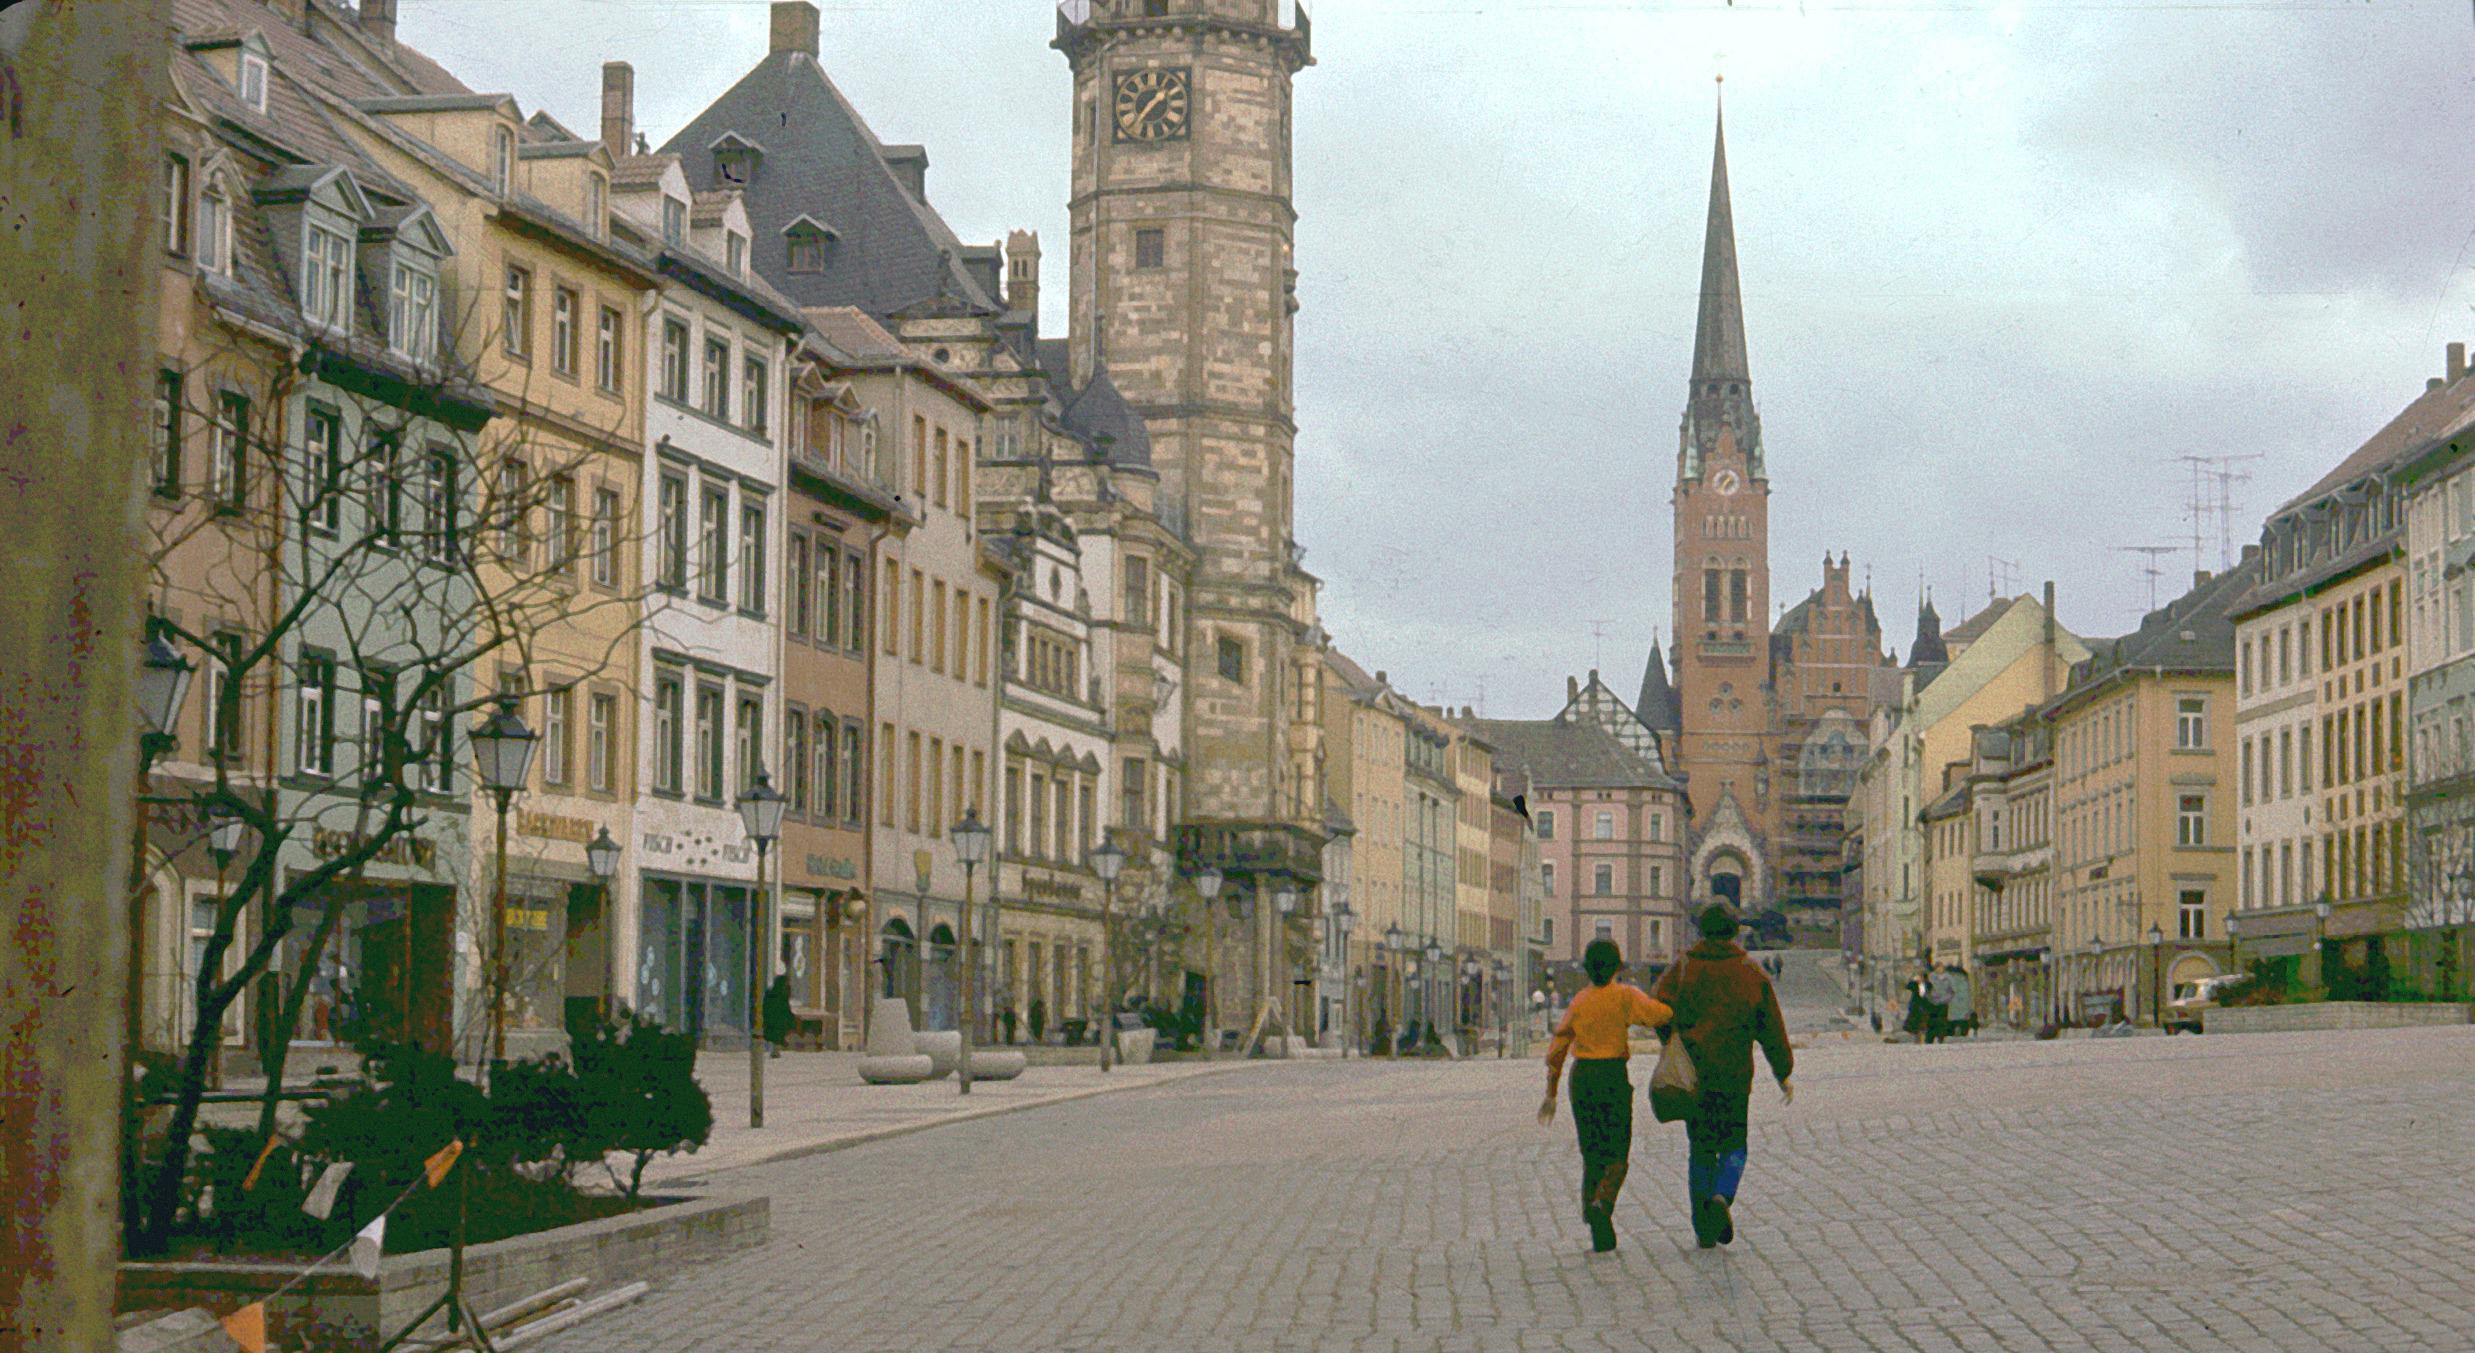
x: 807, y: 241
x: 502, y: 160
x: 674, y: 221
x: 734, y: 159
x: 412, y: 314
x: 326, y: 278
x: 735, y: 253
x: 215, y: 230
x: 596, y: 204
x: 253, y: 80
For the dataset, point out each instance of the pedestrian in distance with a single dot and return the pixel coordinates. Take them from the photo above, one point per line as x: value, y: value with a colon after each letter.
x: 1596, y: 1036
x: 777, y: 1011
x: 1919, y: 1021
x: 1723, y: 1006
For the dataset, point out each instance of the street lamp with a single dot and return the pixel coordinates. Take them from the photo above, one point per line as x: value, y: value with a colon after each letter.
x: 162, y: 683
x: 1105, y: 862
x: 503, y: 750
x: 601, y: 856
x: 1343, y: 920
x: 1435, y: 968
x: 971, y: 847
x: 1276, y: 943
x: 1207, y: 883
x: 760, y: 811
x: 1396, y: 944
x: 1503, y: 1009
x: 2156, y: 975
x: 1469, y: 1013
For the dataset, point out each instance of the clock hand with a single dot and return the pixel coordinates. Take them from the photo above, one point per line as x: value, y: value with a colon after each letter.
x: 1145, y: 112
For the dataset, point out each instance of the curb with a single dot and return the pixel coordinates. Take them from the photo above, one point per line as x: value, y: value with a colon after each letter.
x: 872, y: 1135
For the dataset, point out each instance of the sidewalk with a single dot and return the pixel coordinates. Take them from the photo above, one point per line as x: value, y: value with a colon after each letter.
x: 816, y: 1102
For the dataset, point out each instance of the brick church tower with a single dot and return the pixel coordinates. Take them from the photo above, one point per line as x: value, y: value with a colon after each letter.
x: 1184, y: 281
x: 1722, y: 582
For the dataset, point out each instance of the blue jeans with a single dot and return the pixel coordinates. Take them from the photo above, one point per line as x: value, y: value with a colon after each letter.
x: 1715, y: 1144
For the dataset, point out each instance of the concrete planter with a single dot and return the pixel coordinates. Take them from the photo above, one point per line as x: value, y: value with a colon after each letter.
x: 1134, y: 1046
x: 2264, y: 1019
x: 942, y: 1047
x: 337, y: 1307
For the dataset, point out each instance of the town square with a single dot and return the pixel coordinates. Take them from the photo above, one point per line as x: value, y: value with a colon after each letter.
x: 633, y: 719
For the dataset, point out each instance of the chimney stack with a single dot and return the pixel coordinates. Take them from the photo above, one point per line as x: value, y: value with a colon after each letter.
x: 795, y: 27
x: 2432, y: 384
x: 618, y: 108
x: 1381, y: 679
x: 910, y: 166
x: 1572, y: 689
x: 1022, y: 271
x: 2457, y: 362
x: 378, y: 20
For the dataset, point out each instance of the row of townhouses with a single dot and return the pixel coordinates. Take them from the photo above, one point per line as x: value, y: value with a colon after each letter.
x: 724, y: 468
x: 2270, y: 774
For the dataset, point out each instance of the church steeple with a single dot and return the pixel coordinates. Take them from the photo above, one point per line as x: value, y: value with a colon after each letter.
x: 1719, y: 338
x: 1720, y: 398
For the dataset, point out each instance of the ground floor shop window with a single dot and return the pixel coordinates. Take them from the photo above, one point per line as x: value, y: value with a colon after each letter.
x: 692, y: 955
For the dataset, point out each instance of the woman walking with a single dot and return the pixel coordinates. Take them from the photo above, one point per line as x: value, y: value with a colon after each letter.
x: 1723, y: 1005
x: 1596, y: 1035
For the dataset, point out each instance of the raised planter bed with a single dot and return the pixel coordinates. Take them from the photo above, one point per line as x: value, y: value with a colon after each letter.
x: 337, y: 1307
x: 2264, y: 1019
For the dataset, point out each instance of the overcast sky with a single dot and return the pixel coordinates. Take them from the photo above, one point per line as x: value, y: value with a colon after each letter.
x: 2002, y: 263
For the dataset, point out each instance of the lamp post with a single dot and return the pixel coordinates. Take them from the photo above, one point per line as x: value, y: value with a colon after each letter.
x: 601, y: 855
x: 1207, y: 883
x: 1343, y: 921
x: 162, y: 683
x: 1471, y: 1014
x: 760, y: 811
x: 2320, y: 943
x: 1396, y: 945
x: 2096, y: 960
x: 1435, y: 968
x: 1105, y: 862
x: 970, y: 846
x: 2156, y: 975
x: 224, y: 833
x: 503, y: 747
x: 1275, y: 943
x: 1503, y: 1009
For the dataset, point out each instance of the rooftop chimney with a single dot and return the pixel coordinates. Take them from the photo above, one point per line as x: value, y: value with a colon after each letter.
x: 2457, y: 362
x: 1572, y: 689
x: 2433, y: 384
x: 1381, y: 679
x: 1022, y: 271
x: 910, y: 166
x: 794, y: 27
x: 378, y: 19
x: 618, y: 107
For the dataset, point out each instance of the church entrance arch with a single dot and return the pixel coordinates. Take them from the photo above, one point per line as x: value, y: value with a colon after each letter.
x: 1723, y: 879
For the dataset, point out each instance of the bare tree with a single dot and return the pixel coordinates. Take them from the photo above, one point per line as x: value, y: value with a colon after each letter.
x: 369, y: 531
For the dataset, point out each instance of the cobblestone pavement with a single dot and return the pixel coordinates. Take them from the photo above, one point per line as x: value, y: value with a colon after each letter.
x: 2297, y: 1191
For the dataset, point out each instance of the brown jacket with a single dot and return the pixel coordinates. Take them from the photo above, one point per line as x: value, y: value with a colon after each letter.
x: 1724, y: 1005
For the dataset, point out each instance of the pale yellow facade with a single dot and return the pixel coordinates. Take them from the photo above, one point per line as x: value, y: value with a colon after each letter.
x: 2361, y: 652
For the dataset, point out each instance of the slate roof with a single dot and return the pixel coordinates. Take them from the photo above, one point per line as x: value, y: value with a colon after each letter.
x: 2434, y: 414
x: 894, y: 252
x: 1101, y: 416
x: 1357, y: 678
x: 1568, y: 754
x: 857, y: 336
x: 1657, y: 707
x: 2192, y: 633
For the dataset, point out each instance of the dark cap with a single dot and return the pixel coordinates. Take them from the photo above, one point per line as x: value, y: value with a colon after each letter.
x: 1716, y: 922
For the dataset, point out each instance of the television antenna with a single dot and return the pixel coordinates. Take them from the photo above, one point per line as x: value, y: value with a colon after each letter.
x: 2212, y: 499
x: 2150, y: 554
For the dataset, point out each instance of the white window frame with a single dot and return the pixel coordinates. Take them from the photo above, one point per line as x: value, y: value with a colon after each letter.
x: 326, y: 277
x: 601, y: 713
x: 607, y: 347
x: 313, y: 715
x: 2191, y: 823
x: 253, y: 80
x: 565, y: 302
x: 558, y: 707
x: 605, y: 543
x: 2191, y: 723
x: 215, y: 231
x: 503, y: 160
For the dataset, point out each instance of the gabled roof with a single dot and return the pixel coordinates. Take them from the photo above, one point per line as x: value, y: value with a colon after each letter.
x: 2434, y: 414
x: 894, y: 254
x: 1568, y: 754
x: 2192, y: 633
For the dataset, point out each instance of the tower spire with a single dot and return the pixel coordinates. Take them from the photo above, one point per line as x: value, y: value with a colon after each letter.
x: 1719, y: 337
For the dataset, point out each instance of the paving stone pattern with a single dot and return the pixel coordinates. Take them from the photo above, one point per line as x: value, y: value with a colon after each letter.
x: 2288, y: 1191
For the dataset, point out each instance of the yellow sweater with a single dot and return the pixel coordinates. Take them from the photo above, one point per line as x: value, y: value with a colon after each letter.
x: 1597, y: 1024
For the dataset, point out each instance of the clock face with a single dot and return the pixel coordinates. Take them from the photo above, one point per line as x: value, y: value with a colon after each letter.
x: 1153, y: 103
x: 1726, y: 482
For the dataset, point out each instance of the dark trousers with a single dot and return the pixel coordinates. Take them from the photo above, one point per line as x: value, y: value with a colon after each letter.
x: 1714, y: 1140
x: 1602, y: 1095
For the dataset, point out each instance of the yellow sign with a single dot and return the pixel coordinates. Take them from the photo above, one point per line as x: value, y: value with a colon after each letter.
x: 529, y: 918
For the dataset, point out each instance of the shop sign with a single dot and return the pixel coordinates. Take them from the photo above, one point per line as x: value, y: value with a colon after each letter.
x: 405, y: 849
x: 528, y: 918
x: 555, y: 826
x: 1048, y: 888
x: 658, y: 843
x: 832, y: 867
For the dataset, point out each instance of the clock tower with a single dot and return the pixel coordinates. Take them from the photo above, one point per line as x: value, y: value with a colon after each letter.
x: 1184, y: 288
x: 1722, y: 582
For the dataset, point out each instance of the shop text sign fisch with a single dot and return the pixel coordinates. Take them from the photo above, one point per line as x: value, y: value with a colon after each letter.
x: 555, y: 827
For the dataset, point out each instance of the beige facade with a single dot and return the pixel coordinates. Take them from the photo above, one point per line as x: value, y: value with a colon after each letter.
x: 2018, y: 658
x: 2011, y: 930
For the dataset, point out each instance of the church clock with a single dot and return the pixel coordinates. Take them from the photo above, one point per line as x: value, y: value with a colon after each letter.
x: 1152, y: 104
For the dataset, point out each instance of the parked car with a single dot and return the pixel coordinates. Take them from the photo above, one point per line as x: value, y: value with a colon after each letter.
x: 2183, y: 1012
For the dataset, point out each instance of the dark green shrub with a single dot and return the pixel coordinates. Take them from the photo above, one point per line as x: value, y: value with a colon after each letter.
x: 637, y: 1091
